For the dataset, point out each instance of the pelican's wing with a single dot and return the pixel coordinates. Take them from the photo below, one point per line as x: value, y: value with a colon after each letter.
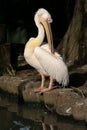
x: 52, y: 64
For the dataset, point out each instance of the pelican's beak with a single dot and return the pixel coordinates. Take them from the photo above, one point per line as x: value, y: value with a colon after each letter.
x: 47, y: 27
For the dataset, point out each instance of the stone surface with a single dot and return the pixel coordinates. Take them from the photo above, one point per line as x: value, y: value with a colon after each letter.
x: 69, y: 101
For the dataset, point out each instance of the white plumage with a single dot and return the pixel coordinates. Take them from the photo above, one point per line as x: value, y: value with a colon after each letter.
x: 53, y: 64
x: 41, y: 56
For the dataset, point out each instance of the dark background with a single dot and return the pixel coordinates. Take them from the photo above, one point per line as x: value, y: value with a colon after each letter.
x: 16, y: 13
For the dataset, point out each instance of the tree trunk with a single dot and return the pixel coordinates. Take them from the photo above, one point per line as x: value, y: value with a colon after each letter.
x: 5, y: 53
x: 73, y: 45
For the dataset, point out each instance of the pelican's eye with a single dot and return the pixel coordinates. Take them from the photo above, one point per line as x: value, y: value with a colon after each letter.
x: 49, y: 20
x: 47, y: 17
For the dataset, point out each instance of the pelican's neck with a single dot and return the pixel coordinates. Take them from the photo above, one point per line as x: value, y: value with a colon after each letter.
x: 41, y: 33
x: 37, y: 41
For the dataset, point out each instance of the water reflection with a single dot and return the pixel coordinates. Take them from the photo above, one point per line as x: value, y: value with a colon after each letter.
x: 14, y: 116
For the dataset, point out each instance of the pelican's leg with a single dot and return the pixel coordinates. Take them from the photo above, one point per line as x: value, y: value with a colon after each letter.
x: 42, y: 84
x: 50, y: 86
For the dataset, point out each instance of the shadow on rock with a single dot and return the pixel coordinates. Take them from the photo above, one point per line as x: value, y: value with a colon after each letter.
x: 77, y: 79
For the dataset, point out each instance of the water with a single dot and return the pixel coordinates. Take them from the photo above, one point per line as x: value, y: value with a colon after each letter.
x: 20, y: 116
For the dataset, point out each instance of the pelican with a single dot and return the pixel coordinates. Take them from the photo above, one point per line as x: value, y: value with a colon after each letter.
x: 46, y: 60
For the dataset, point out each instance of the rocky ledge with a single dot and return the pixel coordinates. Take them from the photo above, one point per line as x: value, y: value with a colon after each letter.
x: 69, y: 101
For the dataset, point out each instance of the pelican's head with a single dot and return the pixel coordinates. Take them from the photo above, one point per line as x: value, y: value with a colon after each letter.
x: 42, y: 16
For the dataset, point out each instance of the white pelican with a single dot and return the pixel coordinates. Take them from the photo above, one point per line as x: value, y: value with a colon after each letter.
x: 43, y: 57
